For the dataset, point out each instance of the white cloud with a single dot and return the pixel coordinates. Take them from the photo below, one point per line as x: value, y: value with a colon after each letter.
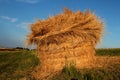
x: 29, y: 1
x: 24, y: 25
x: 9, y: 18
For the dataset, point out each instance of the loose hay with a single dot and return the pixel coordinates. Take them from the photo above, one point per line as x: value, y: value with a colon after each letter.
x: 65, y: 38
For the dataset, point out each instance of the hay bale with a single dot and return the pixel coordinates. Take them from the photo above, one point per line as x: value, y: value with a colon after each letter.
x: 66, y: 37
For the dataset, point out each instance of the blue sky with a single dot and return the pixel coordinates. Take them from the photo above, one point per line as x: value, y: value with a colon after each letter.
x: 16, y: 15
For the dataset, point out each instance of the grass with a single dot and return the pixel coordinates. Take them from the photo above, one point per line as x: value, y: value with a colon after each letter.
x: 71, y: 73
x: 16, y: 65
x: 68, y: 73
x: 108, y: 52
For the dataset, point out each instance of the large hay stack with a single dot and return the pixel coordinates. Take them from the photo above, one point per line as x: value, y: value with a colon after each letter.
x: 69, y: 37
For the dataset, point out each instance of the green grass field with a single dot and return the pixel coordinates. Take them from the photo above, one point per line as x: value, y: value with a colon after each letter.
x: 108, y: 52
x: 15, y: 65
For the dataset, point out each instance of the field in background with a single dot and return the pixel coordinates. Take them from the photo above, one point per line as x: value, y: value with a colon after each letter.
x: 15, y: 65
x: 108, y: 52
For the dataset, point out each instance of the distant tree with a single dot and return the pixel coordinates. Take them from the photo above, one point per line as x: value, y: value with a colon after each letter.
x: 19, y: 48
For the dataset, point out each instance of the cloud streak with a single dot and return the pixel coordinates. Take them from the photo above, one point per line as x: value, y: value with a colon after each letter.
x: 9, y: 18
x: 29, y: 1
x: 24, y: 25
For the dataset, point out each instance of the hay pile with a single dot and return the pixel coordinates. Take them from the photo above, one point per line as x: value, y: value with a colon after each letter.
x: 66, y: 37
